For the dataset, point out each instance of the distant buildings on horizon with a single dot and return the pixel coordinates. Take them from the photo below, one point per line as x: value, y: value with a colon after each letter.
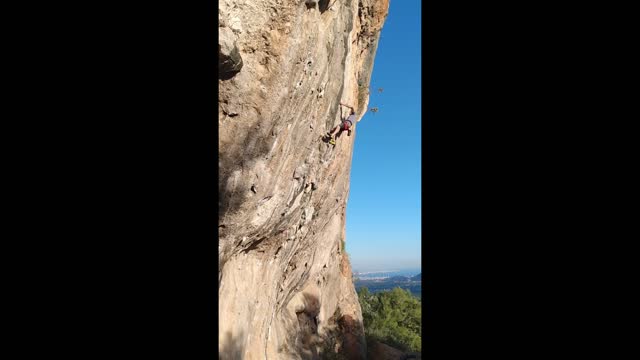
x: 384, y: 274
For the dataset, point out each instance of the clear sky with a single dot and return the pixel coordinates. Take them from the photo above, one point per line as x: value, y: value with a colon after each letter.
x: 383, y: 212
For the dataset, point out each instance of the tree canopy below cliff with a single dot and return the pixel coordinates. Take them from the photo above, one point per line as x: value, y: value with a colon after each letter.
x: 392, y: 317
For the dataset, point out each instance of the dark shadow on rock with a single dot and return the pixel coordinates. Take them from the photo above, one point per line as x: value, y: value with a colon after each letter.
x: 310, y: 3
x: 307, y: 337
x: 379, y: 350
x: 229, y: 58
x: 226, y: 75
x: 246, y: 148
x: 229, y: 65
x: 232, y: 348
x: 323, y: 5
x: 343, y: 338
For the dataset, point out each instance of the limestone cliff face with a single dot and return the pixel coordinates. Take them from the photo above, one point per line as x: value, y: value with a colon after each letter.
x: 285, y: 284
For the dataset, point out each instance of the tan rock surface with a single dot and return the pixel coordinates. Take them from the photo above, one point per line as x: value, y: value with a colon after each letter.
x: 285, y: 284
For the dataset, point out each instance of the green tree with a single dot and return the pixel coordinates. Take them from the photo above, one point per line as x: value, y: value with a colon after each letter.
x: 393, y: 317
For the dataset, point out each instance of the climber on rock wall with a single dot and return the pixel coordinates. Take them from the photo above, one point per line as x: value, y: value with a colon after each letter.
x: 345, y: 125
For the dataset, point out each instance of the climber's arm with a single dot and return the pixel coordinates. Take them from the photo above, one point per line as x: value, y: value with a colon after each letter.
x: 350, y: 107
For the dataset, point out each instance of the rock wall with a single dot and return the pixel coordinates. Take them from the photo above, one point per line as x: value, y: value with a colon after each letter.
x: 285, y: 285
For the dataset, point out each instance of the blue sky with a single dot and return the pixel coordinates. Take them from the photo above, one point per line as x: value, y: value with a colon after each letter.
x: 383, y: 212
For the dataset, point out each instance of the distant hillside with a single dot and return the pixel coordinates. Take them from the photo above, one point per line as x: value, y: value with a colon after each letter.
x: 403, y: 282
x: 417, y: 277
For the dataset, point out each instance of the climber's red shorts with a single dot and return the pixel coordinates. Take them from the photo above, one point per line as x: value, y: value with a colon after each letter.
x: 346, y: 125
